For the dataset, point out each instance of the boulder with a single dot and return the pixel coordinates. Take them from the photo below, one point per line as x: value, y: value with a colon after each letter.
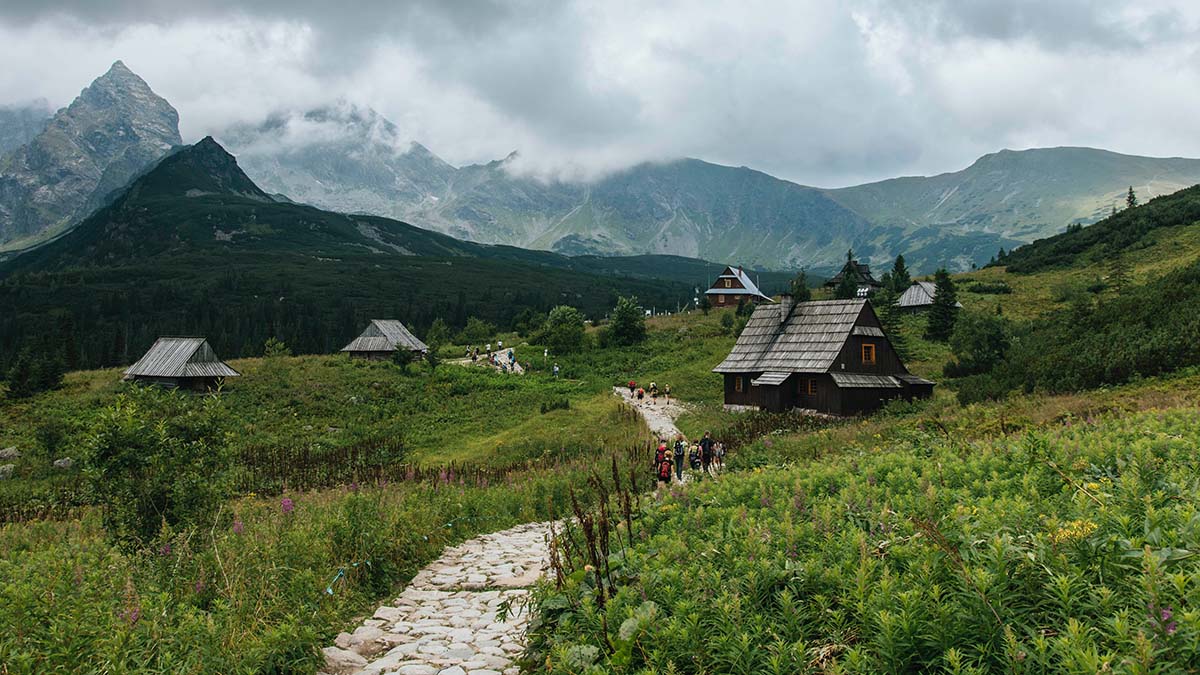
x: 6, y: 471
x: 64, y: 463
x: 10, y: 452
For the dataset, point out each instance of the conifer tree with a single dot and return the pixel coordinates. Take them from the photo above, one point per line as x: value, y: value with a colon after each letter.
x: 901, y: 279
x: 884, y: 303
x: 800, y: 290
x: 944, y: 311
x: 1131, y: 199
x: 705, y: 304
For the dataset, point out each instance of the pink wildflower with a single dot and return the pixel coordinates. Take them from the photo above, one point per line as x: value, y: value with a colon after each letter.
x: 287, y: 505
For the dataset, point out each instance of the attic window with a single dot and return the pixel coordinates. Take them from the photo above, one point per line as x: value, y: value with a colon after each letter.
x: 868, y: 353
x: 729, y: 283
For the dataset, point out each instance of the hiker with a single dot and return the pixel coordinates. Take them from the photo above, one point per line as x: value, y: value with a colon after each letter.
x: 719, y: 456
x: 694, y: 457
x: 632, y: 386
x: 660, y: 451
x: 489, y: 349
x: 556, y: 371
x: 680, y: 451
x: 641, y: 393
x: 664, y: 471
x: 706, y: 451
x: 653, y: 394
x: 511, y: 357
x: 499, y: 345
x: 667, y: 392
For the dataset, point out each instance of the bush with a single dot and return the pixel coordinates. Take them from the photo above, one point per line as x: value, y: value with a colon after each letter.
x: 563, y: 331
x: 628, y: 324
x: 157, y: 460
x: 979, y: 343
x: 990, y: 288
x: 476, y: 331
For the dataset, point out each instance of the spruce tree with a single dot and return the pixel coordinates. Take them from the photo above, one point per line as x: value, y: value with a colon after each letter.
x: 944, y: 311
x: 705, y: 304
x: 846, y: 289
x: 800, y: 290
x: 901, y: 279
x: 1131, y: 199
x: 884, y: 303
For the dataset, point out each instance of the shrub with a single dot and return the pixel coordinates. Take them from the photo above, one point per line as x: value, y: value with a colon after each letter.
x: 563, y: 331
x: 628, y: 323
x: 980, y: 342
x: 477, y: 330
x: 157, y: 459
x: 990, y: 288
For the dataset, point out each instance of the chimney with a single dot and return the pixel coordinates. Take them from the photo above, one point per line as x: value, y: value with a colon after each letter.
x: 785, y: 307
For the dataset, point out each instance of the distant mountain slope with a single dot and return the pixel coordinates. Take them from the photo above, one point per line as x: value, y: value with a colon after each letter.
x: 112, y: 131
x: 1022, y: 195
x: 340, y: 157
x: 20, y: 124
x: 194, y: 247
x: 1096, y: 244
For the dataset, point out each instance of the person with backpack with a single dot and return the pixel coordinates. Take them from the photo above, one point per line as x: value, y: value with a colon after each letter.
x: 664, y: 471
x: 694, y: 457
x: 706, y: 451
x: 667, y: 392
x: 632, y: 387
x: 680, y: 451
x: 641, y: 393
x: 719, y: 456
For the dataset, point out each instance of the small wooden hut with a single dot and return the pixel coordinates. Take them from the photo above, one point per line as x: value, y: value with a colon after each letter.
x: 180, y: 363
x: 732, y: 287
x: 860, y: 274
x: 831, y: 356
x: 381, y: 339
x: 918, y: 297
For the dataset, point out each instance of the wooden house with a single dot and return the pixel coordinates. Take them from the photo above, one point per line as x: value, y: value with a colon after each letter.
x: 733, y: 287
x: 381, y: 339
x: 860, y: 273
x: 180, y: 363
x: 918, y: 297
x: 831, y: 356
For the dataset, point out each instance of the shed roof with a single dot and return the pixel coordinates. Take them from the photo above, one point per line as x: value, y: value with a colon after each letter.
x: 865, y: 381
x: 806, y: 341
x: 385, y: 335
x: 180, y: 357
x: 920, y: 294
x: 748, y: 286
x: 772, y: 378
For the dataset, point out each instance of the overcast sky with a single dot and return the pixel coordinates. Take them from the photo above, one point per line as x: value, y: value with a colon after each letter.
x: 823, y: 93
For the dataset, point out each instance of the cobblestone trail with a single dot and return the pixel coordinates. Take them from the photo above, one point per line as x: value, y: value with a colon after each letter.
x: 448, y: 620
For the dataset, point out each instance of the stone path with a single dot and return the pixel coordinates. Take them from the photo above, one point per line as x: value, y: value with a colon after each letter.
x: 463, y: 614
x: 514, y: 366
x: 660, y: 417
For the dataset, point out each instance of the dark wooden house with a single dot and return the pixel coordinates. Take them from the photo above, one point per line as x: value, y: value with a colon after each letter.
x: 180, y: 363
x: 860, y: 273
x: 734, y: 287
x: 383, y: 338
x: 831, y: 356
x: 918, y: 297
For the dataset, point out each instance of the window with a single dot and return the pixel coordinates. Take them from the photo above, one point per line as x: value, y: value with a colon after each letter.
x: 720, y: 299
x: 868, y: 354
x: 812, y: 387
x: 737, y: 384
x: 729, y: 283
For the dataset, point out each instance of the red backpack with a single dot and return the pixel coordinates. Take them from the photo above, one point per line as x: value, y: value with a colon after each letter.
x: 664, y: 470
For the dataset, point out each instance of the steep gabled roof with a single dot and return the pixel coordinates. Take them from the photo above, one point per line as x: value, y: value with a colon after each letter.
x: 920, y: 294
x: 807, y: 341
x: 862, y: 272
x: 385, y: 335
x: 180, y: 357
x: 748, y: 286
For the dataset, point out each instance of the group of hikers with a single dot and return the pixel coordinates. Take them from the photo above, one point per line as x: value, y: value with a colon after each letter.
x: 640, y: 393
x: 505, y: 361
x: 706, y: 455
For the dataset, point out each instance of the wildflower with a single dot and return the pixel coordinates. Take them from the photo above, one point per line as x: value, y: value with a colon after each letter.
x: 165, y: 550
x: 287, y: 505
x: 768, y: 443
x: 131, y: 615
x: 199, y: 587
x: 354, y: 486
x: 237, y: 526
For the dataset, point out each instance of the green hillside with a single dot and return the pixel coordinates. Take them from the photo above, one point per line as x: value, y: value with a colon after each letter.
x: 194, y: 247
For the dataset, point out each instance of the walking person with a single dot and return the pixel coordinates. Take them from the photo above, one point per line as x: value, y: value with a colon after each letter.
x: 632, y: 386
x: 667, y: 392
x: 556, y: 371
x: 719, y: 457
x: 706, y: 452
x: 694, y: 457
x: 680, y: 451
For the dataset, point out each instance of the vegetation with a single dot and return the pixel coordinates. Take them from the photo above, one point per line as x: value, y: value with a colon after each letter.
x: 1064, y: 549
x: 944, y: 312
x: 563, y: 330
x: 628, y: 323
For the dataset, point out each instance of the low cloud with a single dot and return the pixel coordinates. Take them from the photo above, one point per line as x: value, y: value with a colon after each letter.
x: 812, y: 91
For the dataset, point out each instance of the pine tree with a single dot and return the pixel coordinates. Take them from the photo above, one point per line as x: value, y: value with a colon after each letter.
x: 1118, y: 273
x: 884, y: 303
x: 944, y: 311
x: 705, y: 304
x: 800, y: 290
x: 901, y: 279
x: 1131, y: 199
x: 846, y: 289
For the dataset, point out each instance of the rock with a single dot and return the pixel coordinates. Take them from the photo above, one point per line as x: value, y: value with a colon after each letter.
x: 453, y: 670
x: 416, y: 669
x: 6, y: 471
x: 10, y: 452
x: 342, y: 661
x: 64, y: 463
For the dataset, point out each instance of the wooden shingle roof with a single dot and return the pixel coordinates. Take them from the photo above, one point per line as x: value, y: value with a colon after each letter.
x: 385, y: 335
x: 180, y: 357
x: 807, y: 341
x: 920, y: 294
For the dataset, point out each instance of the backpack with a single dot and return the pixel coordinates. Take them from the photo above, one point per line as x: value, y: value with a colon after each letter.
x: 664, y: 470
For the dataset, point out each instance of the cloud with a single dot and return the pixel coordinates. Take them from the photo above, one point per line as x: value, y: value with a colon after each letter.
x: 822, y: 93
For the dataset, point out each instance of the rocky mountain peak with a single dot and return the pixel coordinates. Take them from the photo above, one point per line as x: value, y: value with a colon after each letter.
x: 204, y: 168
x: 111, y: 132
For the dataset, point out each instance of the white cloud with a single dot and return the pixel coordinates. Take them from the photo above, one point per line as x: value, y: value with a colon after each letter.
x: 813, y: 91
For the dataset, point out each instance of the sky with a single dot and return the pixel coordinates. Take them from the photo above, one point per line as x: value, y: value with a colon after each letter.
x: 821, y: 93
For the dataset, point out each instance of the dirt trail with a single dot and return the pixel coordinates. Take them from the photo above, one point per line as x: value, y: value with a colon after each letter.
x: 660, y: 417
